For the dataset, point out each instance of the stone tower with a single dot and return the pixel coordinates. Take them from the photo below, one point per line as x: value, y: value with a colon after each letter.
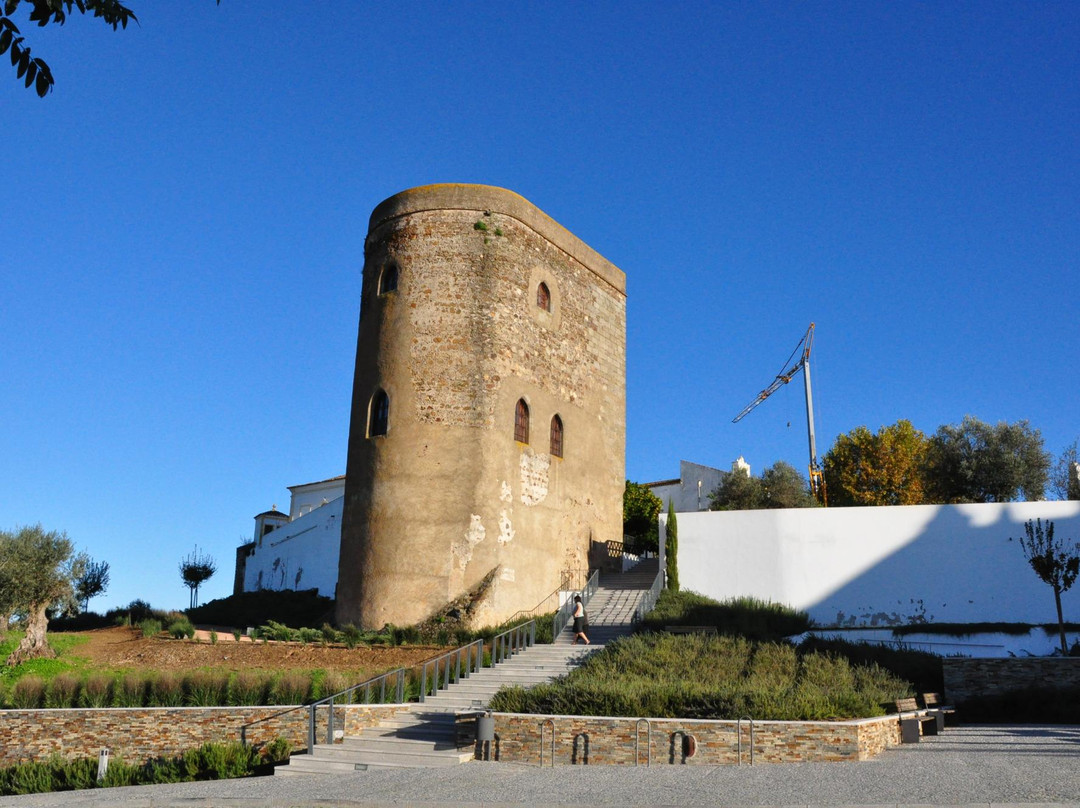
x: 489, y: 408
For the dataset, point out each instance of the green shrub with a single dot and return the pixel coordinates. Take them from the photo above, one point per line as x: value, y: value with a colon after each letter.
x: 209, y: 761
x: 248, y: 688
x: 921, y: 668
x: 291, y: 687
x: 309, y: 635
x: 62, y: 691
x: 205, y: 689
x: 28, y: 693
x: 213, y: 638
x: 350, y: 634
x: 181, y: 628
x: 236, y: 633
x: 166, y: 690
x: 150, y: 627
x: 752, y: 618
x: 707, y: 676
x: 278, y: 631
x: 96, y: 691
x: 130, y: 690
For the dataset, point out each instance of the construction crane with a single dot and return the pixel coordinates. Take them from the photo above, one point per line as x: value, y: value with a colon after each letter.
x: 817, y: 481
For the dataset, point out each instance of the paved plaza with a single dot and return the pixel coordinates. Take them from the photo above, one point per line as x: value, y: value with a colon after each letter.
x: 973, y: 765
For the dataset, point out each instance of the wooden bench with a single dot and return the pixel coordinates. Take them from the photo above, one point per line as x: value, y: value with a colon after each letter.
x: 914, y: 721
x: 690, y: 629
x: 935, y: 705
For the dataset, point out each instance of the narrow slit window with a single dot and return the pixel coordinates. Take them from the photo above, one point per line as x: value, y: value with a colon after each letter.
x: 380, y: 414
x: 543, y: 297
x: 556, y: 435
x: 388, y: 280
x: 521, y: 422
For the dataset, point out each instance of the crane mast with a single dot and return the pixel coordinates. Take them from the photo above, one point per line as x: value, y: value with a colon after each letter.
x: 817, y: 480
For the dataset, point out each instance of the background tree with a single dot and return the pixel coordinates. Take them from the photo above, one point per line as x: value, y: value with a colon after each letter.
x: 32, y: 70
x: 93, y: 581
x: 641, y: 510
x: 1057, y: 563
x: 195, y: 570
x: 738, y: 491
x: 671, y: 549
x: 863, y: 468
x: 977, y: 462
x: 1064, y: 483
x: 39, y: 572
x: 779, y: 486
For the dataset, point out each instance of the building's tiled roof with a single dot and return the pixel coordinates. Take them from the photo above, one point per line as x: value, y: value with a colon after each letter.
x: 662, y: 482
x: 272, y: 513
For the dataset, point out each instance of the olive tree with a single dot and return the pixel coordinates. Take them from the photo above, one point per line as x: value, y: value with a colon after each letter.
x: 38, y: 573
x: 93, y: 582
x: 979, y: 462
x: 1057, y: 563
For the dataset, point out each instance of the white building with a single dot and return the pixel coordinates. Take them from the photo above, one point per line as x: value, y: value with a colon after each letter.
x: 299, y: 550
x: 690, y: 492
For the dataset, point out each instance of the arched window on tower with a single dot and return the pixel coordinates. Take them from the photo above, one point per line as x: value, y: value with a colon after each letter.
x: 388, y: 279
x: 380, y: 414
x: 556, y: 435
x: 521, y: 422
x: 543, y: 297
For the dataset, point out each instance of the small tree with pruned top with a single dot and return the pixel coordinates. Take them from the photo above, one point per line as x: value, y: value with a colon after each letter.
x: 1055, y: 562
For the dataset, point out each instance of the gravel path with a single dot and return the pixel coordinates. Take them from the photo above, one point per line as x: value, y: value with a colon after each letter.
x: 974, y: 765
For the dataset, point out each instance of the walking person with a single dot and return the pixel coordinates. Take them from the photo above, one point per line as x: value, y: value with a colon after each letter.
x: 581, y: 622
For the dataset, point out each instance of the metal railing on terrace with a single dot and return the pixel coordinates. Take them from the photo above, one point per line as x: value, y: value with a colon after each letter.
x: 566, y: 611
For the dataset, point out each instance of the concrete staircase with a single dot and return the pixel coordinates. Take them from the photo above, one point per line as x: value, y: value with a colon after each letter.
x: 426, y: 735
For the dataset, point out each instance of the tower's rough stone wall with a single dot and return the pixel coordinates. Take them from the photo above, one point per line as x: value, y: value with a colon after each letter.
x: 448, y: 496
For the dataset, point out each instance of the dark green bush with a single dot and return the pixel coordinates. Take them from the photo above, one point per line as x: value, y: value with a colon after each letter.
x: 745, y: 617
x: 703, y: 676
x: 208, y: 762
x: 921, y: 668
x: 289, y: 607
x: 205, y: 689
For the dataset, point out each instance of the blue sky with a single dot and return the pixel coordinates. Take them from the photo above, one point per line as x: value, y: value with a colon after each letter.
x: 185, y: 216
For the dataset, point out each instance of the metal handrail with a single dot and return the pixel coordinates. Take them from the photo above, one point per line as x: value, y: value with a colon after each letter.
x: 518, y: 638
x: 451, y: 660
x: 562, y: 617
x: 738, y: 731
x: 399, y: 692
x: 543, y: 724
x: 570, y: 579
x: 648, y: 600
x: 648, y: 741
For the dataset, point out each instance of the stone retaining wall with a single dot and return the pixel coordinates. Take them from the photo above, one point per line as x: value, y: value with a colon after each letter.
x: 970, y: 678
x: 624, y: 741
x: 140, y: 733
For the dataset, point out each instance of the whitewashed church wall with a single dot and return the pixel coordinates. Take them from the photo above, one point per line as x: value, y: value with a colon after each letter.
x: 307, y: 498
x: 879, y: 566
x: 302, y: 554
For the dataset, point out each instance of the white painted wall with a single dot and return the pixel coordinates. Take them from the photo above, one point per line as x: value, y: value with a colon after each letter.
x: 878, y: 566
x: 302, y: 554
x: 691, y: 491
x: 309, y: 496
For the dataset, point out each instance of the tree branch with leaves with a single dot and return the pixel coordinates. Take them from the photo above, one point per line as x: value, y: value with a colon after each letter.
x: 32, y: 70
